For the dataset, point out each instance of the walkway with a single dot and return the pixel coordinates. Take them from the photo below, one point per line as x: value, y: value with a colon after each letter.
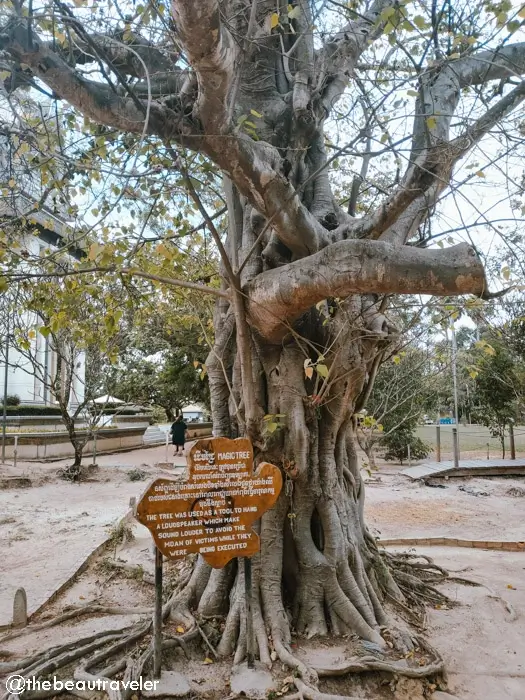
x: 467, y: 467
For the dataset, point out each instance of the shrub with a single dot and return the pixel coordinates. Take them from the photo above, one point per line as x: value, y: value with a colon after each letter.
x: 32, y: 410
x: 12, y: 400
x: 397, y: 442
x: 137, y: 475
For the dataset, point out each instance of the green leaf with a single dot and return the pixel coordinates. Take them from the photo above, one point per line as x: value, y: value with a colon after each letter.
x: 44, y: 330
x: 322, y: 370
x: 255, y: 113
x: 387, y: 13
x: 420, y: 22
x: 294, y: 12
x: 413, y: 93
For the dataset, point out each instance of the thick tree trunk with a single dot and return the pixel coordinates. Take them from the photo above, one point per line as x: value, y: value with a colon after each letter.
x: 318, y: 568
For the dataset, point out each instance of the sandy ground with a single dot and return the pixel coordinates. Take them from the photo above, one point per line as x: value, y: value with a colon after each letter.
x: 46, y: 529
x: 397, y: 507
x: 483, y: 648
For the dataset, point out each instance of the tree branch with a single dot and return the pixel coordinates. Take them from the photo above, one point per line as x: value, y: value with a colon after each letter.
x: 132, y: 272
x: 95, y: 100
x: 280, y: 296
x: 115, y: 49
x: 430, y: 174
x: 212, y: 53
x: 339, y: 55
x: 440, y: 89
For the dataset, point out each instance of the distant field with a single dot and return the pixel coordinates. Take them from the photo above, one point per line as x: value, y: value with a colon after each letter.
x: 471, y: 438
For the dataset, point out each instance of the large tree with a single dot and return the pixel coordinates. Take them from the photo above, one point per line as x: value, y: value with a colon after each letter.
x: 275, y: 95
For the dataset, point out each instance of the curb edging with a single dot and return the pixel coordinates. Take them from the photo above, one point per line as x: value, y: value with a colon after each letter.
x: 453, y: 542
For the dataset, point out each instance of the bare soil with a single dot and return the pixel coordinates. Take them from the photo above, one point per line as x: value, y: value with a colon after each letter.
x: 46, y: 527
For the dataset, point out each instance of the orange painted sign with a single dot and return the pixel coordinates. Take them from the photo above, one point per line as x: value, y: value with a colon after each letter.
x: 212, y: 512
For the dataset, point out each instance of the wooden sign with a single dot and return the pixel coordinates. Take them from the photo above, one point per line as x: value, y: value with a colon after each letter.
x: 212, y: 512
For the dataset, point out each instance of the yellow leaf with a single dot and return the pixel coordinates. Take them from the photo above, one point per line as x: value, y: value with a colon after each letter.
x: 322, y: 370
x: 274, y: 20
x: 506, y: 273
x: 480, y: 173
x: 11, y: 183
x: 510, y: 586
x: 94, y: 250
x: 521, y: 13
x: 180, y: 629
x: 431, y: 122
x: 207, y: 660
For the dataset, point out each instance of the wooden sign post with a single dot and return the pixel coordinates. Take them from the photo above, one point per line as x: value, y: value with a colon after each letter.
x: 211, y: 513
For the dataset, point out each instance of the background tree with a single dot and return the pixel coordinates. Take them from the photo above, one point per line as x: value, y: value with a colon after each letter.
x: 499, y: 389
x: 80, y: 323
x: 396, y: 403
x: 253, y: 89
x: 166, y: 349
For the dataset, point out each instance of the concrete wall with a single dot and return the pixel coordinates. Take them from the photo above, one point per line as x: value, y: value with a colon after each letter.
x: 197, y: 430
x: 49, y: 445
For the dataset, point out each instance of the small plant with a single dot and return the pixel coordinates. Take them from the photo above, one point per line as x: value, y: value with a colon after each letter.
x: 121, y: 532
x: 136, y: 475
x: 108, y: 566
x: 12, y: 400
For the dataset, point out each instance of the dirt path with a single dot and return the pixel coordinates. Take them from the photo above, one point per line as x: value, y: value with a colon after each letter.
x: 47, y: 532
x: 397, y: 507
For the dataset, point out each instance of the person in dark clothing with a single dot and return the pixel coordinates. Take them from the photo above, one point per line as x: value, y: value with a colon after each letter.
x: 178, y: 434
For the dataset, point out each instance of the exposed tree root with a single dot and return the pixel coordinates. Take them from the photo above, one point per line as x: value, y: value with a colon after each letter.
x: 414, y: 575
x: 71, y: 614
x: 306, y: 692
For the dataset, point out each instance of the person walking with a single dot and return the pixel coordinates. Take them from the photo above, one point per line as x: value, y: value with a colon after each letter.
x: 178, y: 434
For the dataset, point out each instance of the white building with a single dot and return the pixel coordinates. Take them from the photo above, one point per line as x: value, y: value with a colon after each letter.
x: 194, y: 413
x: 20, y: 188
